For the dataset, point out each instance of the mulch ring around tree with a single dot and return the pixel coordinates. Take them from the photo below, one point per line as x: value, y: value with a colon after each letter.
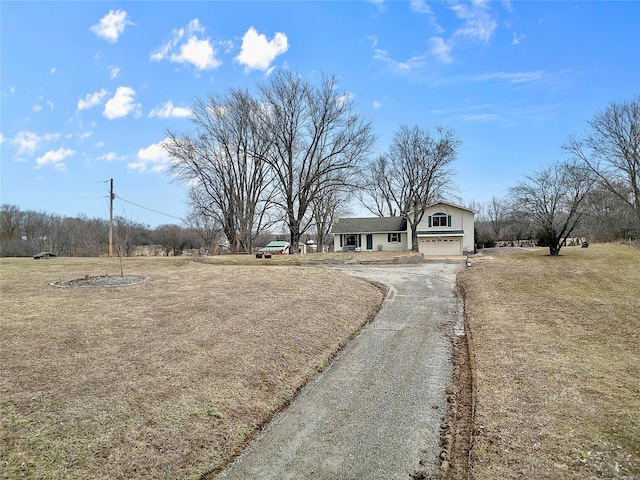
x: 101, y: 281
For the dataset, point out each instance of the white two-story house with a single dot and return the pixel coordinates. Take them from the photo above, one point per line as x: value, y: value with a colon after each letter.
x: 445, y: 229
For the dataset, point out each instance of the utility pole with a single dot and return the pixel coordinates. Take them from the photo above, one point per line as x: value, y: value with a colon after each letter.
x: 111, y: 197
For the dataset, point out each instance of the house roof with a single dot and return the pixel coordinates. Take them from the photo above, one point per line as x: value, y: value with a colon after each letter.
x: 451, y: 205
x: 370, y: 225
x: 278, y: 243
x: 275, y: 246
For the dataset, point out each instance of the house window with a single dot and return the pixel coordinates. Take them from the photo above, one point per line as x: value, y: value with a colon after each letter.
x: 439, y: 220
x: 351, y: 240
x: 394, y: 238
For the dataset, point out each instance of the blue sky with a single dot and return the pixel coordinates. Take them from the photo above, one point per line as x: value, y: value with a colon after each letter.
x: 89, y: 89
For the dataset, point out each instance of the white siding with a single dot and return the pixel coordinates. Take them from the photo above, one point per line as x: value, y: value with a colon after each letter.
x: 380, y: 242
x: 454, y: 239
x: 460, y: 220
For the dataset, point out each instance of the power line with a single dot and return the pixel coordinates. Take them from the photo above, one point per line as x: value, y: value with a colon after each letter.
x: 150, y: 209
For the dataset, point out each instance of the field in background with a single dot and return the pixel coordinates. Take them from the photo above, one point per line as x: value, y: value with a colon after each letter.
x: 555, y: 349
x: 165, y: 379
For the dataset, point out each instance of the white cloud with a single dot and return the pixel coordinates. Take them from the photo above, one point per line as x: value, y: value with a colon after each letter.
x: 111, y: 25
x: 54, y: 158
x: 154, y: 158
x: 113, y: 71
x: 168, y: 110
x: 199, y: 53
x: 52, y: 71
x: 37, y: 107
x: 513, y: 77
x: 2, y: 139
x: 257, y: 53
x: 481, y: 117
x: 344, y: 99
x: 28, y: 142
x: 413, y: 63
x: 516, y: 38
x: 50, y: 103
x: 227, y: 45
x: 110, y: 157
x: 378, y: 3
x: 121, y: 104
x: 377, y: 104
x: 440, y: 49
x: 189, y: 46
x: 92, y: 99
x: 478, y: 23
x: 420, y: 6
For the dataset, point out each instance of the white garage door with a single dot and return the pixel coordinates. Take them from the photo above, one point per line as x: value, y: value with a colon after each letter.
x: 440, y: 246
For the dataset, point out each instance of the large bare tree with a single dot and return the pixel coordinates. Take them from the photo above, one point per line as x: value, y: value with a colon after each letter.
x: 317, y: 140
x: 414, y: 174
x: 376, y: 192
x: 326, y: 210
x: 611, y: 149
x: 554, y: 198
x: 223, y: 163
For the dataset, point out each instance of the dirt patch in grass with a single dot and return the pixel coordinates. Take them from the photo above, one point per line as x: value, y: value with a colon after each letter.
x: 165, y: 379
x: 554, y: 354
x: 100, y: 281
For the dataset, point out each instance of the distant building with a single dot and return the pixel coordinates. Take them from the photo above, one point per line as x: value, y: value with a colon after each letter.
x: 277, y: 247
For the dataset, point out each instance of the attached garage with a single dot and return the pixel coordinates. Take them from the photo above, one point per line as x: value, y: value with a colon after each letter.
x: 440, y: 245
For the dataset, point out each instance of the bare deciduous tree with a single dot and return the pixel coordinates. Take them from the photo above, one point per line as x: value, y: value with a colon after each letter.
x: 414, y: 174
x: 207, y: 228
x: 611, y: 149
x: 10, y: 229
x: 317, y: 139
x: 326, y: 210
x: 496, y: 212
x: 223, y: 163
x: 172, y: 238
x: 554, y: 198
x: 128, y: 235
x: 375, y: 192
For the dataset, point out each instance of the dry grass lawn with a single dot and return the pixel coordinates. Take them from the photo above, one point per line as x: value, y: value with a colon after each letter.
x: 556, y: 356
x: 167, y: 379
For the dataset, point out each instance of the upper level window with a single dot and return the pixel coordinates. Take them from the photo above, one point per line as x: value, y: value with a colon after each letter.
x: 439, y: 220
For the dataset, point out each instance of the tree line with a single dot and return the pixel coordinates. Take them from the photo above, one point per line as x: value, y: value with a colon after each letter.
x: 593, y: 193
x: 27, y: 232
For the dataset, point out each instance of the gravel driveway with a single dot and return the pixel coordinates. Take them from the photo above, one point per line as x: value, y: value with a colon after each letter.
x: 375, y: 412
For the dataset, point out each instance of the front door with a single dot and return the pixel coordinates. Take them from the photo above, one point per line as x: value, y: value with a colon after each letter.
x: 369, y: 241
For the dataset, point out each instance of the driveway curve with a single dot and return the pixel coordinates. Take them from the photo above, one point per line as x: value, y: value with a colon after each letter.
x: 375, y: 412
